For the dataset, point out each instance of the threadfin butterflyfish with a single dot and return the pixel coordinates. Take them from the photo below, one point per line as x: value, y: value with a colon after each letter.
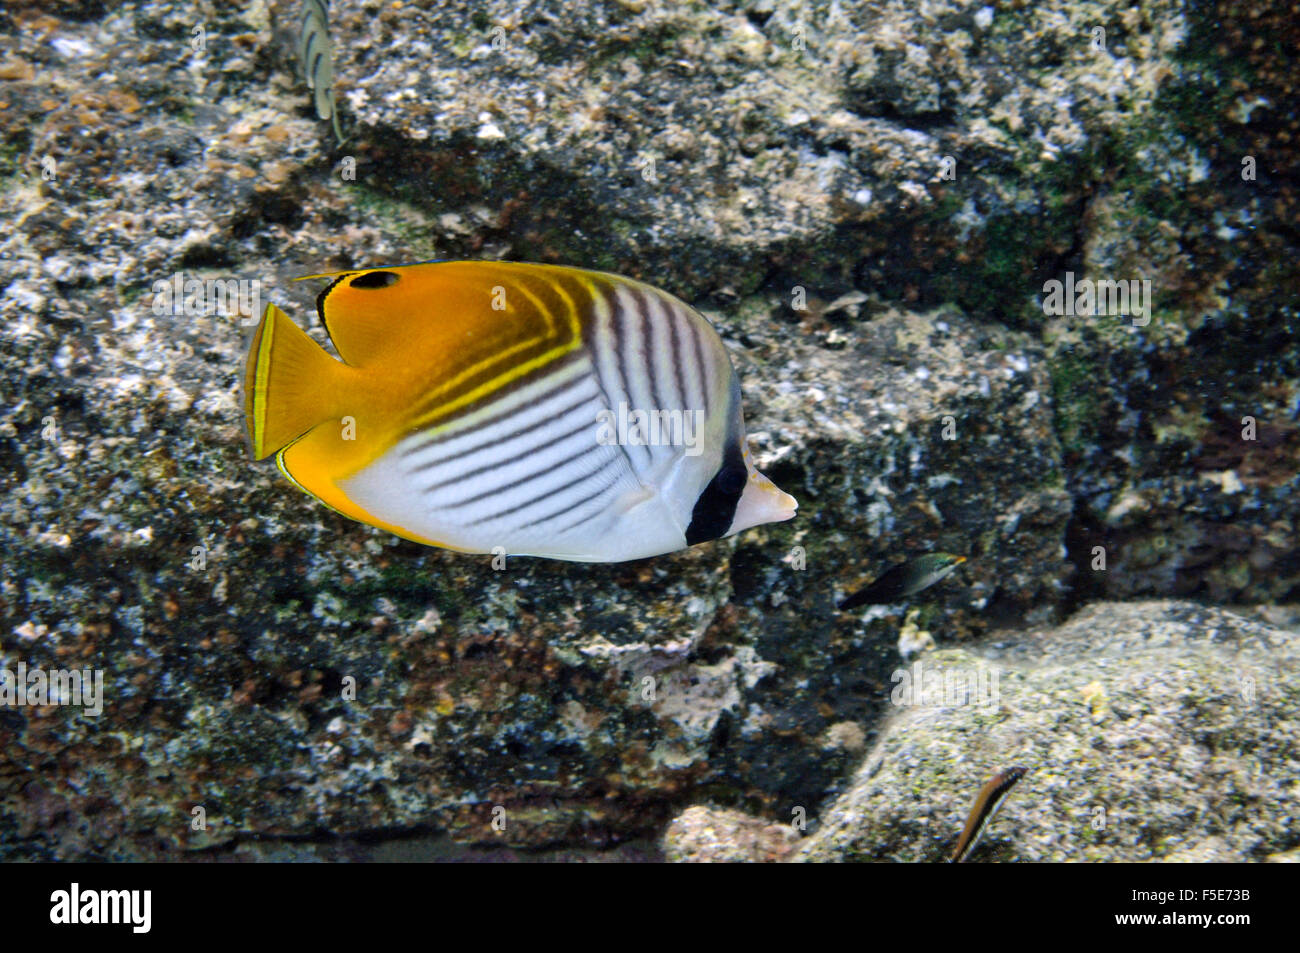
x: 509, y: 408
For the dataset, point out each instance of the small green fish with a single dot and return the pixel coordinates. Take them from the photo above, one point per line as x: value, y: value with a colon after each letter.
x: 905, y: 579
x: 316, y: 54
x: 986, y: 804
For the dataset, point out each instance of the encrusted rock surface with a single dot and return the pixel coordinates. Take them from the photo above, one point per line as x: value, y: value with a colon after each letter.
x: 1163, y: 731
x: 304, y: 676
x: 706, y: 835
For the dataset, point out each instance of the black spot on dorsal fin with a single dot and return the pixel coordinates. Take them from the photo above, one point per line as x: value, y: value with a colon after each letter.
x: 374, y: 279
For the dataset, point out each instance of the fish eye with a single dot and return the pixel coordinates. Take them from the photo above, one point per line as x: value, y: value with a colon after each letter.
x: 374, y: 279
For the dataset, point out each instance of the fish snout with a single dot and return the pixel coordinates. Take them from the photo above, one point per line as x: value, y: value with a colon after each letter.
x: 762, y: 502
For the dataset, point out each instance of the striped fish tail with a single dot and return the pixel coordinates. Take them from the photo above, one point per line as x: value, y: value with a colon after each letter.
x: 289, y: 383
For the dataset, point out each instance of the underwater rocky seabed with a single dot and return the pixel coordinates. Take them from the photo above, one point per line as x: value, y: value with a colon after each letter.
x: 1162, y: 690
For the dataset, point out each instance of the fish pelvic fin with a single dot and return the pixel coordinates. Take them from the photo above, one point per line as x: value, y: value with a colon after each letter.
x: 290, y: 384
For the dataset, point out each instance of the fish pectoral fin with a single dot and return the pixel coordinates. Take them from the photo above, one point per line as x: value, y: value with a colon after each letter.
x: 638, y: 497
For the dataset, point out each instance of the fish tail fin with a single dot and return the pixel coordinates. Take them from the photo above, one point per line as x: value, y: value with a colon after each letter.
x: 290, y: 384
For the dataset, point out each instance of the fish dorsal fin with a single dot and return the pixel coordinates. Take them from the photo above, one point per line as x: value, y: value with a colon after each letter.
x: 358, y: 308
x: 382, y: 312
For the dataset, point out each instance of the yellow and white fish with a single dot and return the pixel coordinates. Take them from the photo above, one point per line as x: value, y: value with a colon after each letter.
x: 496, y: 406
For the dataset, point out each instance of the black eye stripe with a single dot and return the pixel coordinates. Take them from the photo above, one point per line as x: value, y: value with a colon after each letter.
x: 374, y: 279
x: 716, y: 507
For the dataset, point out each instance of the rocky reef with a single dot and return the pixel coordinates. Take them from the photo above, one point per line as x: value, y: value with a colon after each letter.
x: 867, y: 200
x: 1152, y: 731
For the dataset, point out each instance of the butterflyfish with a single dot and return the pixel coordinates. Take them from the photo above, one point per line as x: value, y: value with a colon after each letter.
x: 510, y: 408
x: 903, y: 580
x: 987, y: 802
x: 316, y: 56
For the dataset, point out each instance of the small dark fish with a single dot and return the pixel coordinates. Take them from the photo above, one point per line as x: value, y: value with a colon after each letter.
x: 905, y: 579
x: 986, y: 804
x: 316, y: 54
